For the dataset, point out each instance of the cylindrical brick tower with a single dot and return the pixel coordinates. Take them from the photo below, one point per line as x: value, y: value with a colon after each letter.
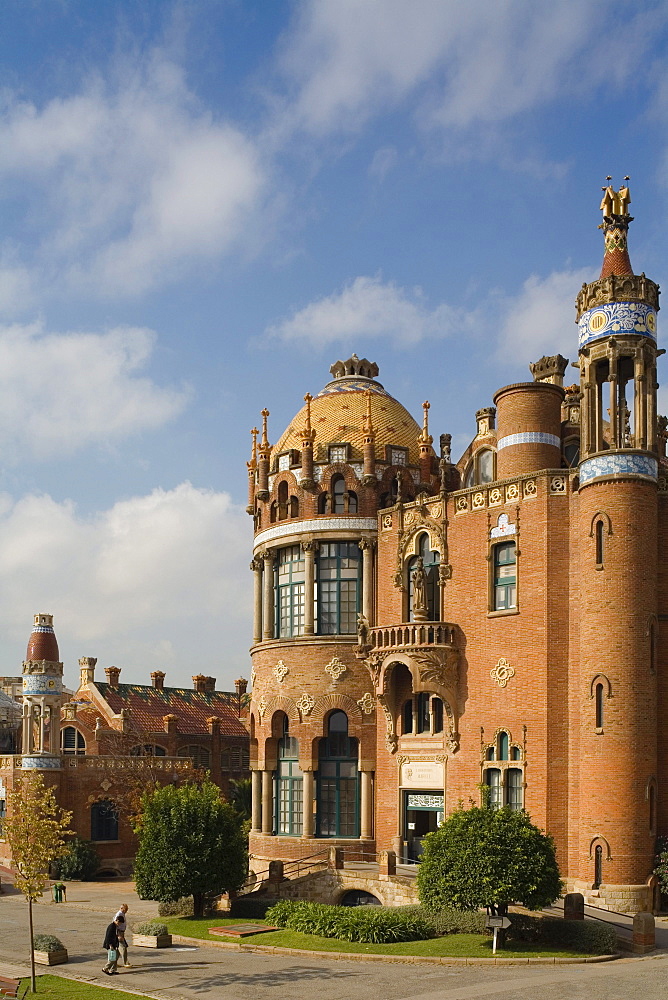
x: 350, y: 451
x: 529, y: 428
x: 616, y: 524
x: 42, y: 697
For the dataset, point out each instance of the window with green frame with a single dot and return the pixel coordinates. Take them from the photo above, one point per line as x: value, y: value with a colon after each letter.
x: 339, y: 587
x: 505, y: 577
x: 289, y: 786
x: 290, y: 590
x: 338, y: 781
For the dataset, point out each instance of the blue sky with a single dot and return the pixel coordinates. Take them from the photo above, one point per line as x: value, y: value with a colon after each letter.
x: 204, y: 204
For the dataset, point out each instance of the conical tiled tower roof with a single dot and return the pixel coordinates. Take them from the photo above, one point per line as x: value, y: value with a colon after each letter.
x: 42, y: 644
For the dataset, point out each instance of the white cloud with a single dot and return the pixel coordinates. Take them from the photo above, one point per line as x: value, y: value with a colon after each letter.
x: 540, y: 320
x: 143, y: 585
x: 474, y: 62
x: 62, y: 391
x: 369, y: 307
x: 129, y: 180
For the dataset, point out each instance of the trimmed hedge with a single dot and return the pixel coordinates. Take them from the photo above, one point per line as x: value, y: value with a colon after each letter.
x: 371, y: 924
x: 251, y: 906
x: 182, y: 907
x: 448, y: 920
x: 151, y: 928
x: 591, y: 936
x: 48, y: 943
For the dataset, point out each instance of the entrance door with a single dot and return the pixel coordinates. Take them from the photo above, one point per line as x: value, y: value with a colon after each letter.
x: 423, y: 813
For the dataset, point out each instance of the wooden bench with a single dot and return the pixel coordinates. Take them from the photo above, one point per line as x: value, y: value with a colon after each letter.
x: 12, y: 987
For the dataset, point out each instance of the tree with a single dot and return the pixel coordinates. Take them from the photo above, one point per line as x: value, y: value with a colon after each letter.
x: 79, y: 860
x: 190, y: 843
x: 35, y: 828
x: 488, y: 857
x: 240, y: 796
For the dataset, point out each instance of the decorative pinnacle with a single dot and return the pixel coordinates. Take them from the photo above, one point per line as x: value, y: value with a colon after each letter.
x: 308, y: 434
x: 253, y: 459
x: 264, y: 443
x: 368, y: 422
x: 615, y: 225
x: 425, y: 437
x: 615, y: 202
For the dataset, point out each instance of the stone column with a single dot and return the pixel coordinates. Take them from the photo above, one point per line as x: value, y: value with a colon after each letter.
x: 267, y: 802
x: 268, y: 604
x: 256, y: 801
x: 309, y: 547
x: 367, y: 546
x: 307, y: 819
x: 366, y: 807
x: 26, y: 733
x: 256, y: 567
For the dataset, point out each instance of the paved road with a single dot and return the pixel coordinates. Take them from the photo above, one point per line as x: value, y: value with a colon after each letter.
x: 186, y: 974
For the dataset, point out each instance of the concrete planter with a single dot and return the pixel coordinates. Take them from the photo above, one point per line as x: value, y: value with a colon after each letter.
x: 51, y: 957
x: 152, y: 940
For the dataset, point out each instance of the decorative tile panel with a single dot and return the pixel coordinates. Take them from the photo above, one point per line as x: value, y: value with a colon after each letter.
x: 36, y: 684
x: 503, y: 528
x: 322, y: 524
x: 617, y: 318
x: 39, y: 763
x: 528, y: 437
x: 618, y: 464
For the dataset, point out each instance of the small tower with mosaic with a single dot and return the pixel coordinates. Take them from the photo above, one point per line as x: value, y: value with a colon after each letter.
x: 42, y: 697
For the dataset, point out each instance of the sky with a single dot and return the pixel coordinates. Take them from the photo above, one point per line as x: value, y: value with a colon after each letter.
x: 205, y: 203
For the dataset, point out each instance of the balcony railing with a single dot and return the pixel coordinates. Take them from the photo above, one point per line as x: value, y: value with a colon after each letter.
x: 412, y: 634
x: 100, y: 762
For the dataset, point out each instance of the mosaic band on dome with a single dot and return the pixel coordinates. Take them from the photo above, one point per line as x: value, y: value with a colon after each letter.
x: 603, y: 466
x: 528, y: 437
x: 637, y: 318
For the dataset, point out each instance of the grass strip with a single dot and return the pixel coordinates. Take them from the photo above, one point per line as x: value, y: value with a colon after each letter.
x: 450, y: 946
x: 59, y: 988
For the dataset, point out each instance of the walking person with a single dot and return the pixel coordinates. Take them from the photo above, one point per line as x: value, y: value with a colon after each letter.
x: 111, y: 946
x: 121, y: 924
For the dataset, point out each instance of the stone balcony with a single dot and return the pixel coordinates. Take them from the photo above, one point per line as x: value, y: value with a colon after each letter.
x: 410, y: 635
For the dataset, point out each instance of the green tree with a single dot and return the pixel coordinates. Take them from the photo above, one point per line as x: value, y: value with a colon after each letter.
x: 488, y: 857
x: 240, y: 796
x: 35, y: 829
x: 190, y: 843
x: 79, y: 860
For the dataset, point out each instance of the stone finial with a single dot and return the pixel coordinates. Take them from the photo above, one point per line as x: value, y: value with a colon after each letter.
x: 485, y: 419
x: 615, y: 226
x: 87, y: 670
x: 549, y: 369
x: 112, y: 674
x: 354, y: 366
x: 425, y: 437
x: 368, y: 421
x: 252, y: 464
x: 158, y: 680
x: 241, y: 685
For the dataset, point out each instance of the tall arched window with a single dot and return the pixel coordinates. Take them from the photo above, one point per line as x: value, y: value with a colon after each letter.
x: 289, y: 785
x: 481, y: 469
x: 103, y: 821
x: 338, y: 781
x: 282, y: 501
x: 430, y: 561
x: 339, y: 587
x: 201, y: 757
x: 599, y: 696
x: 505, y: 577
x: 598, y: 866
x: 72, y: 741
x: 599, y: 542
x: 338, y: 490
x: 504, y: 782
x: 290, y: 583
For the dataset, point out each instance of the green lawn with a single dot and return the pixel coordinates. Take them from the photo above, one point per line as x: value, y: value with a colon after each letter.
x: 451, y: 946
x: 56, y: 988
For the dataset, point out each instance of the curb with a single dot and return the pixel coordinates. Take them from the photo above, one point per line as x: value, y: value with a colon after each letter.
x: 343, y: 956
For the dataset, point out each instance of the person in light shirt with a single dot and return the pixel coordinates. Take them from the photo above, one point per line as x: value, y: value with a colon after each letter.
x: 121, y: 925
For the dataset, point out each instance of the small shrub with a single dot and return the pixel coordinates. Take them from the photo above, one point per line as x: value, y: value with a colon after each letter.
x: 47, y: 942
x: 371, y: 924
x: 591, y: 936
x: 80, y: 860
x: 251, y: 906
x: 151, y: 928
x: 182, y: 907
x: 449, y: 920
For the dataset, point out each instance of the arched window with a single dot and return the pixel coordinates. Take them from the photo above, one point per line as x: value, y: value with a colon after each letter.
x: 338, y: 490
x: 147, y: 750
x: 599, y: 696
x: 289, y: 785
x: 481, y: 469
x: 572, y: 453
x: 290, y: 588
x: 201, y: 757
x: 423, y: 713
x: 72, y: 741
x: 103, y: 821
x: 599, y: 533
x: 282, y: 501
x: 430, y: 563
x: 504, y: 783
x: 339, y: 586
x: 503, y: 745
x: 598, y: 866
x: 505, y: 576
x: 294, y: 507
x: 322, y: 503
x: 338, y: 781
x: 352, y: 502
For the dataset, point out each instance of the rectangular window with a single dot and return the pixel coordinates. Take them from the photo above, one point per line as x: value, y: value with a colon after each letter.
x: 290, y: 591
x: 290, y: 798
x: 505, y: 577
x: 493, y: 780
x: 514, y: 779
x: 338, y: 453
x: 339, y: 568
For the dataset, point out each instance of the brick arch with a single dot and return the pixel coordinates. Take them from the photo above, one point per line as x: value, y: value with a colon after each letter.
x: 600, y: 841
x: 600, y: 515
x: 328, y: 702
x: 339, y: 469
x: 280, y: 703
x: 600, y: 679
x: 435, y: 687
x: 285, y: 476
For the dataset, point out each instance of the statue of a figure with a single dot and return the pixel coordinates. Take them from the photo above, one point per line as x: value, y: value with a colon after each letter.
x: 446, y: 440
x: 419, y: 592
x: 363, y: 630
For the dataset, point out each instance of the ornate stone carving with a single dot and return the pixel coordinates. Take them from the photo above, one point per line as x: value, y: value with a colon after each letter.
x: 390, y: 735
x: 367, y: 703
x: 305, y: 704
x: 280, y: 671
x: 452, y: 742
x: 253, y: 677
x: 502, y: 672
x: 373, y: 663
x: 386, y: 522
x: 262, y: 706
x: 477, y: 501
x: 557, y: 484
x: 462, y: 505
x: 336, y: 669
x: 440, y: 666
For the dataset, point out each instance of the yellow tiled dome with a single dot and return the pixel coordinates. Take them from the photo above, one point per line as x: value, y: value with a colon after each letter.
x: 337, y: 416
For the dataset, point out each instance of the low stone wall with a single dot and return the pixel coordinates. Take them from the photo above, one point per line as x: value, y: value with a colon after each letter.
x: 330, y: 885
x: 619, y: 898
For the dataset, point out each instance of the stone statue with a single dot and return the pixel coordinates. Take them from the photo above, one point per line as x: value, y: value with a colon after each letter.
x: 419, y: 592
x: 363, y: 630
x: 445, y: 440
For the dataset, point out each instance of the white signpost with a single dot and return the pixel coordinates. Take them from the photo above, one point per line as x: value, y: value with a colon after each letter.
x: 495, y: 923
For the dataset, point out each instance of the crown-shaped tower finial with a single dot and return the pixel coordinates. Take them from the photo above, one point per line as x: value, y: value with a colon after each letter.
x: 615, y: 226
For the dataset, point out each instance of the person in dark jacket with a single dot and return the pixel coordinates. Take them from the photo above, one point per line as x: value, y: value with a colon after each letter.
x: 111, y: 947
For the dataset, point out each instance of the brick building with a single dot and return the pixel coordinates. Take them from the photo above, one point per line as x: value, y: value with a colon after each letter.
x: 429, y: 632
x: 111, y: 739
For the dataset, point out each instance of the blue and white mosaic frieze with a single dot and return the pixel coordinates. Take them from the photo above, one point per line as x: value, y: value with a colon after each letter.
x: 42, y: 684
x: 352, y: 524
x: 41, y: 762
x: 617, y: 318
x: 528, y: 437
x: 618, y: 464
